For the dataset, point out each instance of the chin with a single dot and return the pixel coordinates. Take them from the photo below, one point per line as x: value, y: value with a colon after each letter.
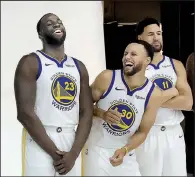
x: 129, y: 73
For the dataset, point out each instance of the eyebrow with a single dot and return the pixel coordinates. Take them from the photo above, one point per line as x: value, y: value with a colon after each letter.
x: 154, y: 32
x: 51, y: 20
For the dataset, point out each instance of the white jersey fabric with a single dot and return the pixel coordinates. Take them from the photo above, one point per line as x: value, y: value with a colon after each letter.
x: 57, y: 107
x: 164, y: 75
x: 105, y: 139
x: 58, y: 89
x: 164, y: 147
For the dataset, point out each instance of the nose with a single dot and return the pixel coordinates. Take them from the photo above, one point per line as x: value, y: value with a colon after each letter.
x: 56, y: 25
x: 127, y: 57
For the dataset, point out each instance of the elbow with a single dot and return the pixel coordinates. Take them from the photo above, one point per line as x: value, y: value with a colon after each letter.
x: 24, y: 117
x: 188, y: 104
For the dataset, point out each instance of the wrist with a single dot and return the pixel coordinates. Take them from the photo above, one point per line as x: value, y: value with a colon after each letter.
x: 55, y: 156
x: 100, y: 112
x: 125, y: 150
x: 75, y: 153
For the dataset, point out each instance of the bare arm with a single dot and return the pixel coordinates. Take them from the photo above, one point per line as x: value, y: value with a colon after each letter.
x: 190, y: 72
x: 157, y: 99
x: 99, y: 87
x: 85, y: 111
x: 25, y: 93
x: 184, y: 100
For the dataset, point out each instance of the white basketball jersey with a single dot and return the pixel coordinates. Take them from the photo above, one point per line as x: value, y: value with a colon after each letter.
x: 164, y: 75
x: 131, y: 103
x: 58, y: 89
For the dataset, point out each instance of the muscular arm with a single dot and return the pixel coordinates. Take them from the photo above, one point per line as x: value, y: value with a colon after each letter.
x: 25, y: 93
x: 156, y: 100
x: 99, y: 87
x: 85, y: 111
x: 190, y: 72
x: 184, y: 100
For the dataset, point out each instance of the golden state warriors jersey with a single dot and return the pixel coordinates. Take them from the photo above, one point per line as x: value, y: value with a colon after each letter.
x: 130, y: 103
x: 164, y: 75
x: 58, y: 89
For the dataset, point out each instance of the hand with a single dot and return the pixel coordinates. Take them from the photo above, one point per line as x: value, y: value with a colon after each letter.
x: 112, y: 116
x: 56, y: 157
x: 66, y: 163
x: 118, y: 156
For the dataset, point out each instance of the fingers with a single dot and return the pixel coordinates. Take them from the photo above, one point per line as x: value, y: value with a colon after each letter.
x: 110, y: 120
x: 116, y: 161
x: 115, y: 113
x: 112, y: 117
x: 60, y: 152
x: 59, y: 167
x: 114, y: 164
x: 56, y: 163
x: 63, y: 171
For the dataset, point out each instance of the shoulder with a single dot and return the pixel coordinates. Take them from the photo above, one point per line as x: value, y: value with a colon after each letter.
x: 177, y: 63
x: 28, y: 61
x: 105, y: 76
x: 103, y: 79
x: 179, y: 67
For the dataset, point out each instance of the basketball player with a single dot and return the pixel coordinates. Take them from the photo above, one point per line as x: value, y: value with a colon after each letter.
x: 52, y: 96
x: 190, y: 72
x: 127, y: 93
x: 163, y: 152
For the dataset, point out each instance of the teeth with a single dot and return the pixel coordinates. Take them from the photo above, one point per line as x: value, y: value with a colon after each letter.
x: 57, y: 31
x: 129, y: 64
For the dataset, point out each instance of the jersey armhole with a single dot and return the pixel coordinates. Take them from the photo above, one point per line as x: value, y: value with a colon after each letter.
x: 110, y: 86
x: 173, y: 66
x: 77, y: 65
x: 39, y: 66
x: 148, y: 96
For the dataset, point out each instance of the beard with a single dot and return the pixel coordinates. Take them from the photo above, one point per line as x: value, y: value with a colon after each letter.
x: 157, y: 49
x: 134, y: 70
x: 52, y: 40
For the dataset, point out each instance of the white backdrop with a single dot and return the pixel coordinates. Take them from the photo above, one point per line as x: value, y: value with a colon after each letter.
x: 84, y: 25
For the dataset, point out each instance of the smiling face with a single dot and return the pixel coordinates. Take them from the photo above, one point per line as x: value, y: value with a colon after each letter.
x: 135, y: 59
x: 153, y: 35
x: 52, y: 30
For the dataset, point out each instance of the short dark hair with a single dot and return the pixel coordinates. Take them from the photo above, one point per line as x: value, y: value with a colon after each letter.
x: 149, y: 49
x: 39, y: 22
x: 145, y: 22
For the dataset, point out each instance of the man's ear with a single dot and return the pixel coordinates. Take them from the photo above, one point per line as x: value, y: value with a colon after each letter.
x: 139, y: 37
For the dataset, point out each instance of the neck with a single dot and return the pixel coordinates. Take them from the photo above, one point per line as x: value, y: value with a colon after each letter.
x: 56, y: 52
x: 157, y: 57
x: 136, y: 80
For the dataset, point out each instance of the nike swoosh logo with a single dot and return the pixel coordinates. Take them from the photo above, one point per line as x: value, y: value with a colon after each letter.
x: 180, y: 136
x: 131, y: 154
x: 118, y: 88
x: 48, y: 64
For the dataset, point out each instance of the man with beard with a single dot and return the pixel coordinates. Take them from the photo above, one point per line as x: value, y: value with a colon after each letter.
x: 163, y: 152
x: 52, y: 97
x: 133, y: 101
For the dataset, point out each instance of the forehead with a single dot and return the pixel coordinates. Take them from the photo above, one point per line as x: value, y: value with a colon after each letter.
x: 152, y: 28
x: 135, y: 47
x: 49, y: 17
